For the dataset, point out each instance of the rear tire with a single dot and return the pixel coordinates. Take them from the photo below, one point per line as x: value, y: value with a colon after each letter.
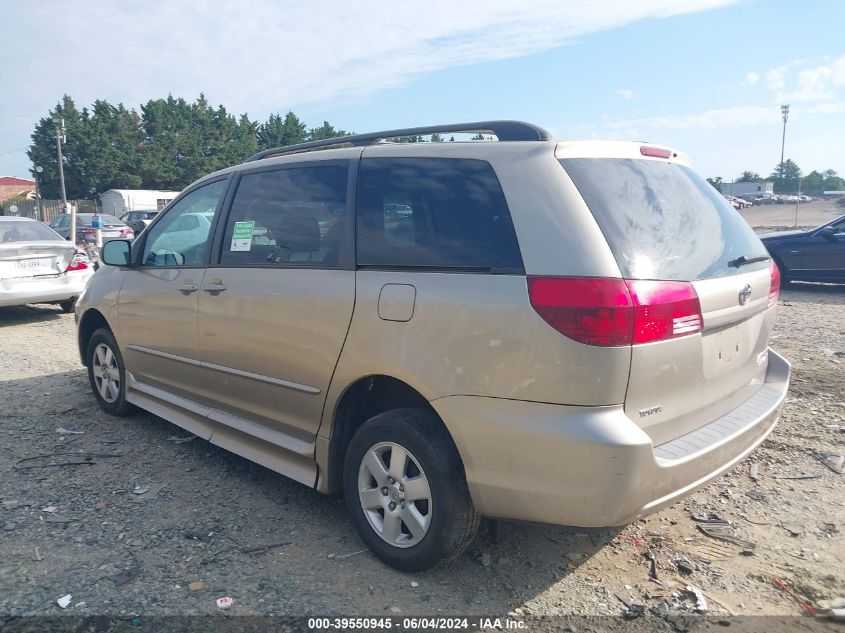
x: 426, y: 517
x: 106, y: 373
x: 68, y: 306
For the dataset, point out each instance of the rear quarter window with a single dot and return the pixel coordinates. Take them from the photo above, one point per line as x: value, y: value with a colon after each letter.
x: 662, y: 220
x: 435, y: 214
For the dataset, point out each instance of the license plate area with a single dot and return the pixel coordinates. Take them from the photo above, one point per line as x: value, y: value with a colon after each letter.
x: 42, y: 263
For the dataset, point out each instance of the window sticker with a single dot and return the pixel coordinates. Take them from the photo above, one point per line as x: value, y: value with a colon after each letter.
x: 242, y: 236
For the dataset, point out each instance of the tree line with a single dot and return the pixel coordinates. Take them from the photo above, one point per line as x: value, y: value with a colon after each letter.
x: 788, y: 178
x: 166, y: 145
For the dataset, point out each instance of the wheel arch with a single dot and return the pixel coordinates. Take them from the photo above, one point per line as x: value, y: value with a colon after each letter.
x: 361, y: 400
x: 90, y: 322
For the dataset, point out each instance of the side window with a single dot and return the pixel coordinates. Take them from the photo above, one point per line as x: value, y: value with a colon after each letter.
x: 183, y: 235
x: 287, y: 217
x: 434, y: 213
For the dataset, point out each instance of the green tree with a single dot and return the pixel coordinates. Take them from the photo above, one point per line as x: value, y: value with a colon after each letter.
x: 436, y: 138
x: 279, y: 132
x: 478, y: 137
x: 786, y: 176
x: 325, y: 131
x: 749, y: 176
x: 716, y: 182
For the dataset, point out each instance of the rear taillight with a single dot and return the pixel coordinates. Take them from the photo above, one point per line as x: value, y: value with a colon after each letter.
x: 774, y: 286
x: 127, y: 232
x: 614, y: 312
x: 89, y: 231
x: 76, y: 264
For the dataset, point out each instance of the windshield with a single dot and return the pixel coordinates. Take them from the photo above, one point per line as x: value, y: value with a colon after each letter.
x: 663, y: 221
x: 15, y: 231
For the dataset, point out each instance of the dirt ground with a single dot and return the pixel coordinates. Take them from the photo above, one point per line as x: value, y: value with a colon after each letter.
x: 151, y: 526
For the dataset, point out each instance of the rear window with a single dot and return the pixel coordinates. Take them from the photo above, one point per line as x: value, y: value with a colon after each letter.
x: 108, y: 220
x: 663, y: 221
x: 435, y: 214
x: 15, y: 231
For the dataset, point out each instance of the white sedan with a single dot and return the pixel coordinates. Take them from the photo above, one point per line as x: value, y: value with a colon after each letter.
x: 38, y: 266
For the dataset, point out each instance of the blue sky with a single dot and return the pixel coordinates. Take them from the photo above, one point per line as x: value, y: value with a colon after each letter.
x: 705, y: 76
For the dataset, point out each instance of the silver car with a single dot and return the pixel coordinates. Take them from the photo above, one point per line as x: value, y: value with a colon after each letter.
x: 563, y: 332
x: 38, y: 266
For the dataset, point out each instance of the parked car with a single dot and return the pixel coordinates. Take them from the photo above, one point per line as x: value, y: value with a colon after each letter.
x: 38, y: 266
x: 815, y: 255
x: 138, y: 220
x: 113, y: 229
x: 510, y: 329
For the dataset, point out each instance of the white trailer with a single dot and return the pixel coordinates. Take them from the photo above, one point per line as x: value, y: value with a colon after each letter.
x: 119, y: 201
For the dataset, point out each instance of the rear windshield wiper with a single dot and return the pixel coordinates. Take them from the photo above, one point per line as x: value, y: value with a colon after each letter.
x: 742, y: 260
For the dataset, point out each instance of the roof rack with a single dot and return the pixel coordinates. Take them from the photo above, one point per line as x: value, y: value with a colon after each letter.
x: 503, y: 130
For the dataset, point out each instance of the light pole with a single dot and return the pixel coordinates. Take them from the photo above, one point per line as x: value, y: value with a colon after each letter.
x: 38, y: 170
x: 784, y: 111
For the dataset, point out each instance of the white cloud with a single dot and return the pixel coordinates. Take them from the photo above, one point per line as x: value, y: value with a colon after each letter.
x: 752, y: 78
x: 719, y: 118
x: 266, y: 54
x: 808, y: 84
x: 625, y: 93
x: 775, y: 78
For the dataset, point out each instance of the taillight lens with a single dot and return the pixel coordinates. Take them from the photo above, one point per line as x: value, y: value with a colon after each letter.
x: 614, y: 312
x: 774, y: 287
x: 76, y: 264
x: 127, y: 232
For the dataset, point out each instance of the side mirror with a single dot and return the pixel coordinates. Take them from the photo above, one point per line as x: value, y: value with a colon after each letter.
x: 829, y: 233
x: 117, y: 253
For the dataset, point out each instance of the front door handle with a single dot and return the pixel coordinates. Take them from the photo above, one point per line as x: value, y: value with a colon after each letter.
x: 214, y: 289
x: 188, y: 289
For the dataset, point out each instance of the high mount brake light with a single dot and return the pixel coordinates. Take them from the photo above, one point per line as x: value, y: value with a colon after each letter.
x: 611, y: 312
x: 655, y: 152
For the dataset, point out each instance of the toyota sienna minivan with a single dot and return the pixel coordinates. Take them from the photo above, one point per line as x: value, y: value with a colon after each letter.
x: 572, y: 333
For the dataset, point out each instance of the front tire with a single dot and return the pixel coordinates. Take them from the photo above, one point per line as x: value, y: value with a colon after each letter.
x: 106, y: 373
x: 406, y: 490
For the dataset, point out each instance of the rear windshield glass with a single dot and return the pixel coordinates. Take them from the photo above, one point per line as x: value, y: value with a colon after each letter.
x: 85, y: 219
x: 663, y: 221
x: 14, y: 231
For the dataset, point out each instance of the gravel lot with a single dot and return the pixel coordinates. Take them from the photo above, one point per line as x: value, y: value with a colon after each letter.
x: 212, y: 524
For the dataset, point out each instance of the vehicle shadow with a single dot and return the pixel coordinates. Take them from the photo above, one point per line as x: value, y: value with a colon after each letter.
x: 259, y: 536
x: 811, y: 292
x: 16, y: 315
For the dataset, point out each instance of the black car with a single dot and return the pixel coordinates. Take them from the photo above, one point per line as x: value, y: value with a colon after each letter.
x: 139, y: 220
x: 814, y: 255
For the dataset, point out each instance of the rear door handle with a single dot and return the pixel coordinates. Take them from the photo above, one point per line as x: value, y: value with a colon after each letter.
x: 214, y: 289
x: 188, y: 289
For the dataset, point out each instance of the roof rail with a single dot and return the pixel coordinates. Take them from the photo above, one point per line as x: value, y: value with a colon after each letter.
x: 503, y: 130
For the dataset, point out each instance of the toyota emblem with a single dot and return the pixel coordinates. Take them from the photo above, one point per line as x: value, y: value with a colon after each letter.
x: 744, y: 294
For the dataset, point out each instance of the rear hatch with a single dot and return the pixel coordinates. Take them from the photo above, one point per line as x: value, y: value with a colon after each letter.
x: 671, y: 232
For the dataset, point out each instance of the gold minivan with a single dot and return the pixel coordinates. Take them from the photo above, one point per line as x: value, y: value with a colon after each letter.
x: 563, y: 332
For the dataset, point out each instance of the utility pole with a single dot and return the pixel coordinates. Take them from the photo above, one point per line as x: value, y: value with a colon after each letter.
x: 61, y: 138
x: 38, y: 170
x: 784, y: 111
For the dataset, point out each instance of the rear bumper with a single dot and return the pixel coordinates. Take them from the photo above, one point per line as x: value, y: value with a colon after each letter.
x: 60, y: 287
x: 593, y: 466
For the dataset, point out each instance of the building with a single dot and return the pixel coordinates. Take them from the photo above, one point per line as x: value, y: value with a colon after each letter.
x: 119, y: 201
x: 748, y: 189
x: 11, y: 187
